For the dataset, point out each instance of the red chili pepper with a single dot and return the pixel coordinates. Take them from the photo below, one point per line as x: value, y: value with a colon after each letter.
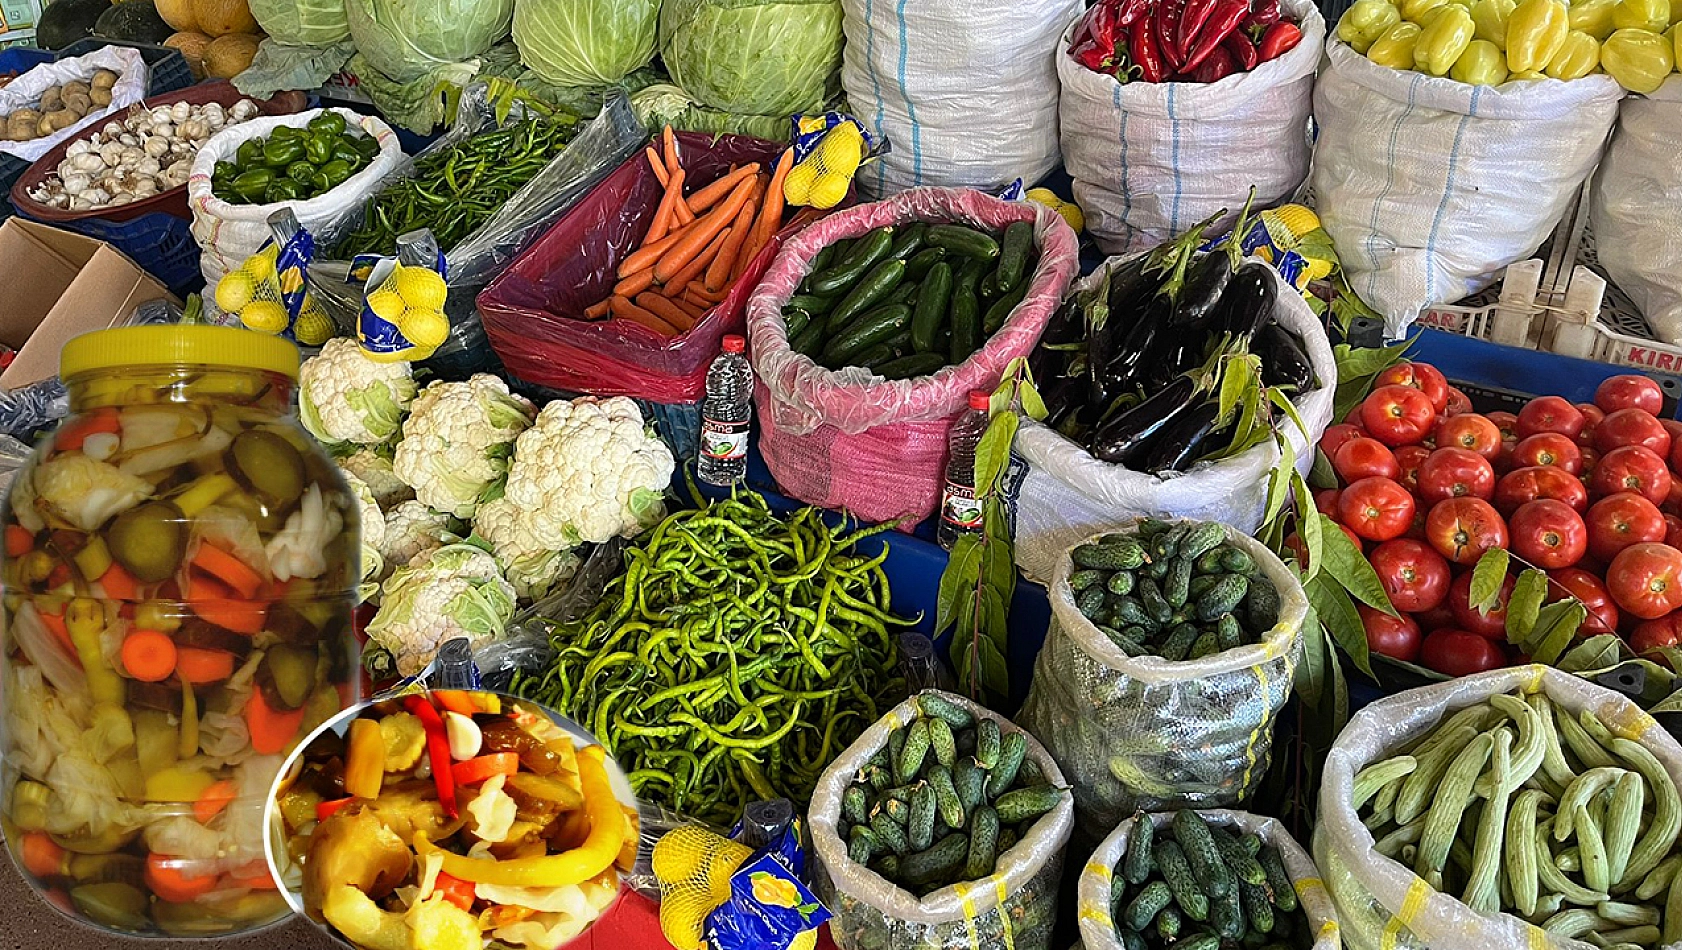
x: 1226, y: 17
x: 1242, y: 49
x: 1132, y: 11
x: 437, y: 750
x: 1264, y: 12
x: 1215, y: 66
x: 1281, y: 38
x: 325, y: 810
x: 1191, y: 23
x: 1164, y: 19
x: 1084, y: 31
x: 1145, y: 52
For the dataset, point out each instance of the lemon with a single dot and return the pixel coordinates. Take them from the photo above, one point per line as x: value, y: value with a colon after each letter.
x: 265, y: 316
x: 828, y: 190
x: 313, y: 327
x: 797, y: 187
x: 234, y: 291
x: 722, y: 863
x: 386, y: 304
x: 426, y: 329
x: 420, y: 288
x: 679, y: 854
x: 260, y: 266
x: 683, y: 914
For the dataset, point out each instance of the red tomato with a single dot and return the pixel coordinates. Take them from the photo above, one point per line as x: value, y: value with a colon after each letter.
x: 1549, y: 414
x: 1632, y: 468
x: 1354, y: 419
x: 1414, y: 576
x: 1592, y: 415
x: 1337, y: 435
x: 1630, y: 391
x: 1394, y: 637
x: 1458, y: 403
x: 1632, y: 427
x: 1646, y: 580
x: 1591, y: 461
x: 1548, y: 448
x: 1376, y: 508
x: 1618, y: 521
x: 1503, y: 460
x: 1461, y: 529
x: 1506, y: 422
x: 1578, y: 583
x: 1672, y: 530
x: 1437, y: 617
x: 1647, y: 637
x: 1528, y: 484
x: 1549, y: 534
x: 1673, y: 427
x: 1408, y: 459
x: 1362, y: 458
x: 1325, y: 502
x: 1299, y: 547
x: 1459, y: 653
x: 1398, y: 415
x: 1421, y: 376
x: 1455, y: 473
x: 1673, y: 501
x: 1493, y: 624
x: 1470, y: 431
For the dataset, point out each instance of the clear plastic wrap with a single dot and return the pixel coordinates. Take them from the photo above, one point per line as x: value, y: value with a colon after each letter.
x: 851, y: 439
x: 1097, y: 926
x: 1016, y: 907
x: 1068, y: 494
x: 1382, y: 903
x: 1147, y: 733
x: 534, y: 311
x: 12, y: 456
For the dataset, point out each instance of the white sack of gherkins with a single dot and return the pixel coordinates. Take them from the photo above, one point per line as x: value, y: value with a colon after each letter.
x: 1291, y: 882
x: 1149, y: 160
x: 964, y: 90
x: 1133, y: 729
x: 1012, y: 905
x: 1523, y: 807
x: 1068, y: 494
x: 1431, y: 187
x: 1638, y: 236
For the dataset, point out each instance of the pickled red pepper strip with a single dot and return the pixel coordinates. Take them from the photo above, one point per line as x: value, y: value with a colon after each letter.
x: 437, y: 750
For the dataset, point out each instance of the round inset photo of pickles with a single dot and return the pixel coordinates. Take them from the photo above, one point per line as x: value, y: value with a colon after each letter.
x: 457, y: 819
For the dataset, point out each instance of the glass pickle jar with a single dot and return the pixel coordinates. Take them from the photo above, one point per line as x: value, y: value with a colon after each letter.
x: 179, y: 574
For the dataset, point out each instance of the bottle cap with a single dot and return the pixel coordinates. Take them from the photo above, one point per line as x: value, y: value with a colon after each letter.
x: 980, y: 399
x: 178, y: 345
x: 734, y: 344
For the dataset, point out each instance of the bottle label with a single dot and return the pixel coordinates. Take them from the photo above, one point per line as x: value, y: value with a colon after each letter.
x: 724, y: 441
x: 959, y: 507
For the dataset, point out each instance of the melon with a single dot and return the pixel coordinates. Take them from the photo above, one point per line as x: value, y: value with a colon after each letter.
x: 135, y: 21
x: 222, y: 17
x: 192, y: 47
x: 178, y: 14
x: 228, y: 56
x: 65, y: 21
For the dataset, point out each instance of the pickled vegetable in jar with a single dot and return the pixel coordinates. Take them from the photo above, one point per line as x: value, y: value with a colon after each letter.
x: 179, y: 573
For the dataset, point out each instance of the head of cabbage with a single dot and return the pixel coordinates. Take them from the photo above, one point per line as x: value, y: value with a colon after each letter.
x: 302, y: 22
x: 585, y: 42
x: 758, y: 57
x: 405, y: 39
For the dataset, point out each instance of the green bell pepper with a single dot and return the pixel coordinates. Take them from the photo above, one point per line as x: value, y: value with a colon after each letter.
x: 278, y: 154
x: 300, y: 171
x: 366, y: 144
x: 319, y: 146
x: 249, y: 154
x: 336, y: 172
x: 331, y: 123
x: 283, y: 189
x: 254, y: 184
x: 344, y: 151
x: 224, y: 173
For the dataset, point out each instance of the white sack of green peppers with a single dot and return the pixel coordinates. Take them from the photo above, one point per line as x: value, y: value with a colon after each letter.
x: 1519, y: 807
x: 1164, y: 375
x: 1151, y: 154
x: 1209, y: 878
x: 1172, y: 648
x: 943, y: 827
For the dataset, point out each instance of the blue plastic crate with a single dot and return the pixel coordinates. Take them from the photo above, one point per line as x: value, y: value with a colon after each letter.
x: 21, y: 59
x: 161, y: 244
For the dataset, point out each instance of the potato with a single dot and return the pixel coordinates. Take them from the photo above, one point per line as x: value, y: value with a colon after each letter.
x: 104, y: 79
x: 80, y: 105
x: 52, y: 99
x: 62, y: 119
x: 100, y: 96
x: 74, y: 87
x: 43, y: 127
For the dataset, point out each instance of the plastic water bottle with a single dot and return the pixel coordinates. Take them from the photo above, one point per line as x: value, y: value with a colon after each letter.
x: 960, y: 512
x: 726, y: 417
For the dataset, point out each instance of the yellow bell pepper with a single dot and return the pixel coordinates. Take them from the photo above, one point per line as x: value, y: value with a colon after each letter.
x: 1395, y: 48
x: 1577, y: 57
x: 1418, y: 11
x: 1675, y: 36
x: 1482, y: 64
x: 1444, y: 40
x: 364, y: 759
x: 1593, y: 17
x: 1366, y: 21
x: 1650, y: 15
x: 1489, y: 17
x: 1526, y: 75
x: 1640, y: 60
x: 1535, y: 32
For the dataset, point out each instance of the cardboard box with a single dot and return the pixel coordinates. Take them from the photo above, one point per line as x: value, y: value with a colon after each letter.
x: 55, y: 285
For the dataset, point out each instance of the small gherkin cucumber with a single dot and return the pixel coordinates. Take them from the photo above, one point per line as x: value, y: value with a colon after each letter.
x: 1223, y: 598
x: 1136, y: 865
x: 1012, y: 750
x: 1261, y: 604
x: 1084, y: 578
x: 987, y: 743
x: 1026, y: 804
x: 1150, y: 901
x: 983, y: 844
x: 944, y: 709
x: 916, y: 749
x: 1200, y: 539
x: 1120, y: 583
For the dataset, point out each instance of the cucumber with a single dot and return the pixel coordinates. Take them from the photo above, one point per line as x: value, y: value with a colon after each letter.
x: 1235, y: 856
x: 1150, y: 901
x: 1090, y: 603
x: 964, y: 317
x: 1156, y: 607
x: 1208, y: 643
x: 942, y: 742
x: 908, y: 242
x: 1013, y: 255
x: 1136, y: 864
x: 1201, y: 539
x: 999, y: 310
x: 905, y: 293
x: 811, y: 303
x: 949, y: 806
x: 855, y: 804
x: 1178, y: 586
x: 1169, y: 923
x: 1237, y: 561
x: 1258, y: 906
x: 912, y: 366
x: 923, y: 261
x: 1123, y: 555
x: 810, y: 339
x: 873, y: 288
x: 821, y: 259
x: 1227, y: 916
x: 1012, y: 750
x: 987, y: 742
x: 963, y: 240
x: 1261, y: 604
x: 1130, y: 940
x: 1026, y: 804
x: 794, y: 321
x: 945, y: 710
x: 1223, y: 598
x: 1200, y: 585
x: 970, y: 782
x: 870, y: 249
x: 916, y: 749
x: 1201, y: 941
x: 896, y: 743
x: 888, y: 833
x: 939, y: 861
x: 861, y: 848
x: 1284, y: 892
x: 1180, y: 641
x: 1197, y: 840
x: 878, y: 325
x: 1087, y: 577
x: 1130, y: 612
x: 983, y: 844
x: 1120, y: 583
x: 919, y: 827
x: 931, y: 309
x: 1229, y: 633
x: 1171, y: 863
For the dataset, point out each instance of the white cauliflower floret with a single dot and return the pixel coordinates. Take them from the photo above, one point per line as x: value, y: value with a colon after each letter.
x: 300, y: 549
x: 86, y: 492
x: 343, y: 396
x: 412, y: 529
x: 373, y: 525
x: 456, y: 591
x: 534, y: 568
x: 588, y: 470
x: 457, y: 440
x: 373, y: 466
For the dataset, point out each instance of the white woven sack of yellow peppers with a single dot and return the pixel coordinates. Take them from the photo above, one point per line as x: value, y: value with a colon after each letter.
x: 1637, y: 190
x: 1523, y: 807
x: 1453, y: 133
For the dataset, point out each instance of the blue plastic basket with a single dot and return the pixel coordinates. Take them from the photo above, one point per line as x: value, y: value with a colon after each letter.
x: 21, y: 59
x: 161, y: 244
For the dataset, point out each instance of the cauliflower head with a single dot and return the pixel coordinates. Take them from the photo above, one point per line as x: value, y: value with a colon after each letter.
x: 412, y: 529
x: 373, y: 525
x: 343, y: 396
x: 456, y: 591
x: 534, y: 568
x: 588, y: 470
x: 85, y: 492
x: 457, y: 440
x: 372, y: 464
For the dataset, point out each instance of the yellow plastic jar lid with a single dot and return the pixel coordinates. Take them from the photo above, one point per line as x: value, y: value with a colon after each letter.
x: 178, y: 345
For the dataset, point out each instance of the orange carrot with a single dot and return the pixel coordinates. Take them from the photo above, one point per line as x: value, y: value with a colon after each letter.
x: 658, y: 166
x: 119, y: 584
x: 697, y: 238
x: 73, y: 434
x: 479, y: 768
x: 635, y: 284
x: 229, y: 569
x: 712, y: 194
x: 665, y: 214
x: 213, y: 799
x: 693, y: 297
x: 41, y: 855
x: 254, y: 875
x: 719, y: 271
x: 272, y: 730
x: 168, y: 877
x: 697, y: 267
x: 646, y: 256
x: 55, y: 626
x: 596, y: 311
x: 692, y: 309
x: 770, y: 212
x: 665, y: 310
x: 200, y: 665
x: 699, y: 290
x: 149, y: 656
x: 681, y: 215
x: 237, y: 615
x: 18, y: 540
x: 668, y: 142
x: 626, y: 310
x: 457, y: 701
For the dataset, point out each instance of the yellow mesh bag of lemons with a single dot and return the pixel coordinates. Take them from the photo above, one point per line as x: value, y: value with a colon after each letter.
x: 255, y: 294
x: 411, y: 298
x: 694, y: 866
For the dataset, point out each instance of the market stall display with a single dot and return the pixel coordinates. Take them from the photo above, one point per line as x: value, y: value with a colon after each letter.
x: 51, y: 102
x: 292, y: 163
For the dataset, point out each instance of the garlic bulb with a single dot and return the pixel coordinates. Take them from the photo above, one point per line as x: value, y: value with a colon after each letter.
x: 156, y: 147
x: 76, y: 183
x: 194, y: 129
x: 164, y: 130
x: 244, y: 109
x: 78, y: 147
x: 96, y: 196
x: 145, y: 188
x: 87, y: 162
x: 111, y: 152
x: 181, y: 111
x: 129, y: 139
x: 113, y: 129
x: 131, y: 156
x: 148, y: 167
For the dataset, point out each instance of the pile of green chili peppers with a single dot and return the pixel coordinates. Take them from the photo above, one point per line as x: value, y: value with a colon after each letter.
x: 294, y: 164
x: 454, y: 190
x: 737, y: 655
